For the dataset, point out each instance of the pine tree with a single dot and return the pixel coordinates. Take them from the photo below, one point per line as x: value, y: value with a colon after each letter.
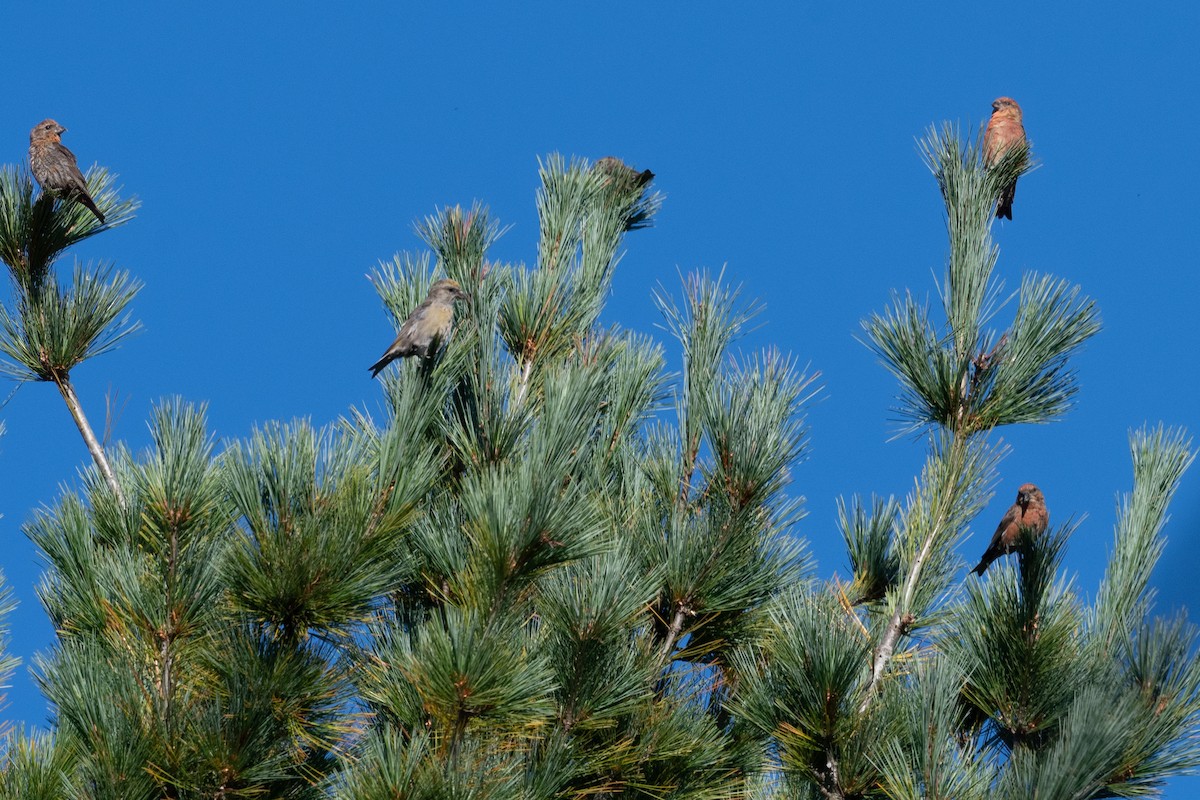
x: 910, y: 682
x: 552, y: 569
x: 48, y: 329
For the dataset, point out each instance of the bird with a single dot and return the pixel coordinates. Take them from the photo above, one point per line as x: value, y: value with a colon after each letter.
x: 1004, y: 132
x: 54, y: 166
x: 426, y: 327
x: 618, y: 170
x: 1027, y: 517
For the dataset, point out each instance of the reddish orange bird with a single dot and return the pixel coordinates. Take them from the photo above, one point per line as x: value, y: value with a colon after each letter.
x: 54, y: 165
x: 1004, y: 131
x: 1027, y: 517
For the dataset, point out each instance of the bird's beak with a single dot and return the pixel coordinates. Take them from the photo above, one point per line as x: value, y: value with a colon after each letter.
x: 464, y: 296
x: 61, y: 129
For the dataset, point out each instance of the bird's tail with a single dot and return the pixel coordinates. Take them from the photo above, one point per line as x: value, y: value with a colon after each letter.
x: 981, y: 568
x: 378, y: 366
x: 1004, y: 206
x: 91, y: 206
x: 644, y: 177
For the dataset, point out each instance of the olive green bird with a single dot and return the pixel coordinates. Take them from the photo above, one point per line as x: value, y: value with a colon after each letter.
x: 427, y: 327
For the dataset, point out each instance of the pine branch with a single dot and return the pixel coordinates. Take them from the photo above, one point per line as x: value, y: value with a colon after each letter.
x: 711, y: 318
x: 930, y: 752
x: 874, y: 564
x: 460, y: 239
x: 959, y: 378
x: 33, y: 233
x: 800, y: 685
x: 902, y: 616
x: 954, y: 487
x: 89, y: 437
x: 1160, y: 458
x: 673, y: 630
x: 1018, y: 638
x: 523, y: 381
x: 37, y: 766
x: 52, y: 330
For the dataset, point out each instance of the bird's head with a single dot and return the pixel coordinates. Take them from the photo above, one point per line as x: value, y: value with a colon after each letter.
x: 1006, y: 106
x: 45, y: 128
x: 1028, y: 493
x: 609, y: 164
x: 447, y: 291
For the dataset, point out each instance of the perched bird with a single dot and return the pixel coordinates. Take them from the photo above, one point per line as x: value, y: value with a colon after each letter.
x: 426, y: 327
x: 1028, y: 516
x: 627, y: 187
x: 618, y: 170
x: 1004, y: 131
x: 54, y: 165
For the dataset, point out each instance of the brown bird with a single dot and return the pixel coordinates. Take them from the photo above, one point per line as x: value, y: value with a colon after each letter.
x: 1004, y: 131
x: 618, y: 170
x: 1027, y: 517
x: 427, y: 327
x: 54, y: 165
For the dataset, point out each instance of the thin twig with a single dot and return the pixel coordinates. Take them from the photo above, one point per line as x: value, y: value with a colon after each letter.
x: 902, y: 616
x: 689, y: 469
x: 166, y: 683
x: 523, y: 383
x: 89, y: 437
x: 672, y: 635
x: 831, y: 772
x: 111, y: 413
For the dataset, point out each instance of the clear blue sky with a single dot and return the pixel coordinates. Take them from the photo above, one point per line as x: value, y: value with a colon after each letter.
x: 281, y: 150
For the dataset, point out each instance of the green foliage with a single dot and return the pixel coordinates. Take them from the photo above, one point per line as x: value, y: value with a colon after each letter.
x: 34, y: 232
x: 546, y: 609
x: 35, y: 767
x: 955, y: 485
x: 390, y: 765
x: 46, y: 329
x: 931, y: 753
x: 323, y: 528
x: 1160, y: 457
x: 802, y: 689
x: 51, y: 331
x: 963, y: 376
x: 534, y: 577
x: 162, y: 683
x: 874, y: 562
x: 590, y: 609
x: 1018, y: 639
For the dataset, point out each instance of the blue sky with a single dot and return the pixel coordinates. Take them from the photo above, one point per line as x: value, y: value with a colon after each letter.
x: 280, y: 151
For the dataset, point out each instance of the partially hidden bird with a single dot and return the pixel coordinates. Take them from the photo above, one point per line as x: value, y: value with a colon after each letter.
x: 427, y: 327
x: 1028, y: 516
x: 54, y: 166
x: 618, y: 170
x: 1004, y: 131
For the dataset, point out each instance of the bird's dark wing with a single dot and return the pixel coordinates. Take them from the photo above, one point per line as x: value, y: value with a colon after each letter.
x: 411, y: 329
x: 1011, y: 517
x: 426, y: 321
x: 421, y: 326
x: 1004, y: 206
x: 65, y: 151
x: 62, y: 169
x: 998, y: 546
